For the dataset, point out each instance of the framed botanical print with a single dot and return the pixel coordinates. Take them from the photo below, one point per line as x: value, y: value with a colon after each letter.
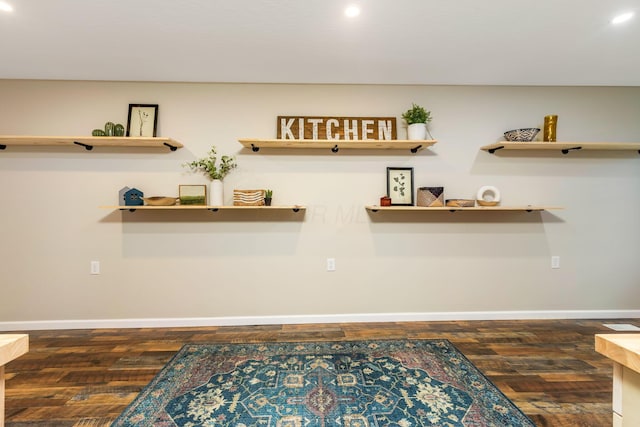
x: 400, y: 186
x: 142, y: 120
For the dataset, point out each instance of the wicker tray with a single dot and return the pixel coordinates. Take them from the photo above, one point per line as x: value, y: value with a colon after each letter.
x: 248, y: 197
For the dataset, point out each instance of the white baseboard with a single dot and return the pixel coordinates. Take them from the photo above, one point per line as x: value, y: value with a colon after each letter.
x: 34, y: 325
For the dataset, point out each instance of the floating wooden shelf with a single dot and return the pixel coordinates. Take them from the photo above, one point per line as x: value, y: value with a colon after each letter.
x: 414, y: 146
x: 88, y: 142
x: 564, y: 147
x: 375, y: 208
x: 294, y: 208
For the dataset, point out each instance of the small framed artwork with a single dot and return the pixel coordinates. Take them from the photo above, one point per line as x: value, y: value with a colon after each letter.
x: 193, y: 194
x: 400, y: 186
x: 142, y: 120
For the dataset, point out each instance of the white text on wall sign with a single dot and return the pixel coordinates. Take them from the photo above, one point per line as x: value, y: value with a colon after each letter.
x: 337, y: 128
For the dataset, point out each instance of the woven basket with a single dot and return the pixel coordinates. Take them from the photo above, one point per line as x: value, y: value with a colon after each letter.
x: 248, y: 197
x: 430, y: 197
x: 461, y: 203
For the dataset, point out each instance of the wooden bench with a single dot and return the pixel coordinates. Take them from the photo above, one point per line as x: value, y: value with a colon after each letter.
x: 624, y: 350
x: 12, y: 346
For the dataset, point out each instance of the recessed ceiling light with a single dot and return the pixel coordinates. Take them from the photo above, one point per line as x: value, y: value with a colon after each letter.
x: 5, y: 7
x: 352, y: 11
x: 622, y: 18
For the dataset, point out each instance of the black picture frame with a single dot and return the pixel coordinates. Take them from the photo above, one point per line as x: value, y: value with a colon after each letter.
x: 400, y: 186
x: 142, y: 120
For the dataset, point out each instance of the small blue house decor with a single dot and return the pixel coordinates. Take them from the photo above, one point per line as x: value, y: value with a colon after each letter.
x: 121, y: 198
x: 131, y: 197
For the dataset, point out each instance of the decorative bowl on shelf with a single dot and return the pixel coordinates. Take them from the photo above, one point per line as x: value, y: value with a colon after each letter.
x: 160, y: 201
x: 487, y: 202
x: 460, y: 203
x: 521, y: 135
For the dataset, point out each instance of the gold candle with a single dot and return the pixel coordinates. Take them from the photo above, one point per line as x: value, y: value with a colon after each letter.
x: 550, y: 124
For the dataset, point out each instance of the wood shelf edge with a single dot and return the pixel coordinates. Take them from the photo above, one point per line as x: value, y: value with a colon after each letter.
x: 274, y: 140
x: 98, y: 141
x: 396, y: 144
x: 376, y: 208
x: 204, y: 207
x: 561, y: 145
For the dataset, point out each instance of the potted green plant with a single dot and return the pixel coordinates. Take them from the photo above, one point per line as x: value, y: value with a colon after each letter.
x: 417, y: 118
x: 267, y: 197
x: 215, y: 171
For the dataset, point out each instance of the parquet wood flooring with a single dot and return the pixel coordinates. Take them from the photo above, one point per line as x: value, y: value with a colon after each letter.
x: 85, y: 378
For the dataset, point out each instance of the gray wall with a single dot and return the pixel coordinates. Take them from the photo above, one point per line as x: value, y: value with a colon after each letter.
x: 224, y: 268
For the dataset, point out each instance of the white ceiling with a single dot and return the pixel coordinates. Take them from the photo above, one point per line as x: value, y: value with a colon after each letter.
x: 504, y: 42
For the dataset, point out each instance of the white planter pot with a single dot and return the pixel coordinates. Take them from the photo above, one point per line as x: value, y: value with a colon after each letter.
x: 216, y: 193
x: 417, y: 131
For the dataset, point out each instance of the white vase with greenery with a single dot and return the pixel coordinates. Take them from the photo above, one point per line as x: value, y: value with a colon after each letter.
x: 216, y: 193
x: 417, y: 118
x: 215, y: 172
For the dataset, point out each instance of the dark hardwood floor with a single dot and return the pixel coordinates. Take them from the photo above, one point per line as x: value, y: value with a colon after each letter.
x: 87, y: 377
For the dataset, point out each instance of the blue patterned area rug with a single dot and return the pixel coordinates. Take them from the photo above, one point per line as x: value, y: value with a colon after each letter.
x: 320, y: 384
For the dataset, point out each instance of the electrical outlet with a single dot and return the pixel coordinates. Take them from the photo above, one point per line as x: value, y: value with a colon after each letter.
x: 555, y: 261
x: 95, y: 267
x: 331, y: 264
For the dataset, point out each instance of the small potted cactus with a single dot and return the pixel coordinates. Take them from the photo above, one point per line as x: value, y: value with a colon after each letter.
x: 268, y: 194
